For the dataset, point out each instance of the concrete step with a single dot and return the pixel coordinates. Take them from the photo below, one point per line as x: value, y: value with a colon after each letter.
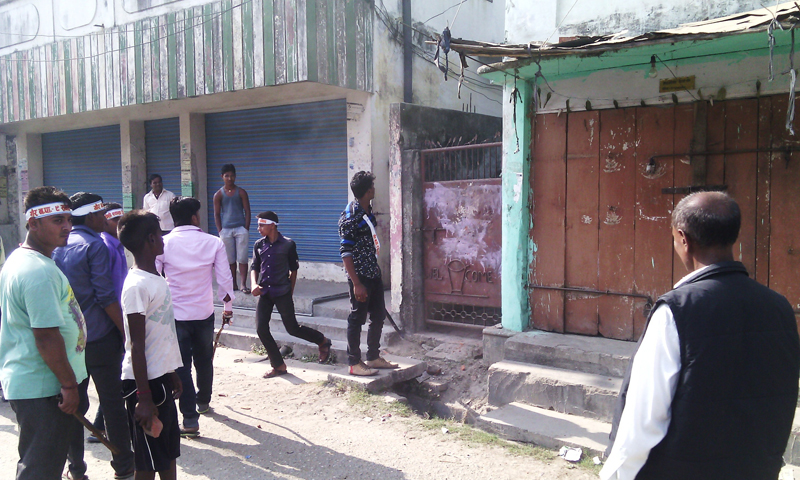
x: 526, y: 423
x: 601, y: 356
x: 333, y: 328
x: 409, y: 369
x: 245, y: 338
x: 566, y: 391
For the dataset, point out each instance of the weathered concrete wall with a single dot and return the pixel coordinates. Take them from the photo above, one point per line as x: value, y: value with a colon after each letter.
x: 134, y: 164
x: 414, y: 128
x: 9, y: 221
x: 536, y: 20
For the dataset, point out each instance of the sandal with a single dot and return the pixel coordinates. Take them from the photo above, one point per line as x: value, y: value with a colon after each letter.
x: 325, y: 350
x: 275, y: 373
x: 245, y: 290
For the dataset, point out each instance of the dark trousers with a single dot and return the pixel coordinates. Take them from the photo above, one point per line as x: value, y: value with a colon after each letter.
x: 44, y: 436
x: 104, y: 365
x: 285, y: 306
x: 196, y: 341
x: 376, y: 308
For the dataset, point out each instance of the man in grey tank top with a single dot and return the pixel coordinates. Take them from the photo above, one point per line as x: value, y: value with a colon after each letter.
x: 232, y: 217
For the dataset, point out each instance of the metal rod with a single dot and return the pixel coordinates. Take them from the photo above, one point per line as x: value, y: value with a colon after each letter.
x: 456, y: 324
x: 787, y: 149
x: 464, y: 147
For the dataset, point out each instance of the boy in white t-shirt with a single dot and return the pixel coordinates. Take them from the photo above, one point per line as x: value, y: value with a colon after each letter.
x: 150, y: 384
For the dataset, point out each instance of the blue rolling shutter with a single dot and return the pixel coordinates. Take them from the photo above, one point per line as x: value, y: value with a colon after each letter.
x: 88, y: 160
x: 163, y: 152
x: 292, y: 160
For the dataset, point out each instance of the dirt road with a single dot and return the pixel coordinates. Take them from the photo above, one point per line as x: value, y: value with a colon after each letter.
x: 295, y: 427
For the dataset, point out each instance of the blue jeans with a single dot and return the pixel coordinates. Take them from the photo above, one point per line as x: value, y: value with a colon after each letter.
x: 196, y: 341
x: 44, y: 436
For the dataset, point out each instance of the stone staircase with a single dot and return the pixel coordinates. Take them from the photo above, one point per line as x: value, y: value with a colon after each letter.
x: 560, y: 390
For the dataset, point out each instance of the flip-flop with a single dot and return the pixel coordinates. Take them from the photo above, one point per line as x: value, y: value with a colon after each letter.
x: 246, y: 291
x: 325, y: 351
x: 275, y: 373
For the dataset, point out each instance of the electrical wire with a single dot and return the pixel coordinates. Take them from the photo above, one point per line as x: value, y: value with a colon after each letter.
x: 445, y: 11
x: 214, y: 16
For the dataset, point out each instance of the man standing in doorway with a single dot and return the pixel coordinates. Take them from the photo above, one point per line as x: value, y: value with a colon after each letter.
x: 189, y: 257
x: 157, y: 201
x: 42, y: 339
x: 712, y: 389
x: 359, y: 249
x: 86, y: 263
x: 232, y: 217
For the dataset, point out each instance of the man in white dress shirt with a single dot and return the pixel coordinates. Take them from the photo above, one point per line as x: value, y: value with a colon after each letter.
x: 157, y: 201
x: 712, y: 389
x: 189, y: 257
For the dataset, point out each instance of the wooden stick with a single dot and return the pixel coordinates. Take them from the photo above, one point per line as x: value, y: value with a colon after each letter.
x: 97, y: 433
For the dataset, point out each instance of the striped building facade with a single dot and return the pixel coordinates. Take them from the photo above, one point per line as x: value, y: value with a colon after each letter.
x: 222, y: 46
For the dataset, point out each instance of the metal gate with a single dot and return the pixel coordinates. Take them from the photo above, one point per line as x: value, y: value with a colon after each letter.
x: 88, y: 160
x: 291, y: 159
x: 462, y: 234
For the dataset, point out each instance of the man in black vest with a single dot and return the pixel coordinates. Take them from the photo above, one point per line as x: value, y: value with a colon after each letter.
x: 712, y: 390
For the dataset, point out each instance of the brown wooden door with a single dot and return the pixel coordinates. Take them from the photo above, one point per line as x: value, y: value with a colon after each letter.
x: 601, y: 220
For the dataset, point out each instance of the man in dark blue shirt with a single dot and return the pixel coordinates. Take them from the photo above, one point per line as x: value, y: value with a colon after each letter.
x: 86, y: 263
x: 359, y: 250
x: 273, y: 275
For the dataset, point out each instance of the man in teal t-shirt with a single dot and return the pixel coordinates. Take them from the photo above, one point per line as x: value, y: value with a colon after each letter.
x: 42, y: 339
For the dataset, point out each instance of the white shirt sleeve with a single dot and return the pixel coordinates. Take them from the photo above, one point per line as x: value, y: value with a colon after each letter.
x: 647, y: 412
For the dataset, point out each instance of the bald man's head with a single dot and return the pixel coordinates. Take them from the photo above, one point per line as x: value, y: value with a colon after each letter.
x: 711, y: 219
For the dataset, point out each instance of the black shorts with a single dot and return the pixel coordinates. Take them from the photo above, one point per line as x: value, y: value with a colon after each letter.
x: 154, y: 454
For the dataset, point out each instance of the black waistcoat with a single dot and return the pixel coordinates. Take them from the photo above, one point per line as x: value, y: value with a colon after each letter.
x: 737, y: 388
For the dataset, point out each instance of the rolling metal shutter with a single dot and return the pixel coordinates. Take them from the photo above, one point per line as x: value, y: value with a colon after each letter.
x: 88, y: 160
x: 292, y: 160
x: 163, y: 152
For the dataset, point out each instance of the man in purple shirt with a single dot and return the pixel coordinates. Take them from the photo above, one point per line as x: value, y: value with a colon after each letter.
x: 86, y: 264
x: 273, y: 275
x: 119, y: 269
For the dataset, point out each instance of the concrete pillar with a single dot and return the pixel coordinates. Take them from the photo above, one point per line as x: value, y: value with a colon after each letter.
x: 516, y: 205
x: 194, y: 181
x: 405, y: 240
x: 134, y: 164
x: 30, y: 171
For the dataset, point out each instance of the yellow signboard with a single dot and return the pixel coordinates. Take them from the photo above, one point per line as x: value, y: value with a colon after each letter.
x: 677, y: 84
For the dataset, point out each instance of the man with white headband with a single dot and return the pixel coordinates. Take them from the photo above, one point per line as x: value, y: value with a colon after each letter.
x: 86, y: 263
x: 273, y: 275
x: 42, y: 339
x: 119, y: 270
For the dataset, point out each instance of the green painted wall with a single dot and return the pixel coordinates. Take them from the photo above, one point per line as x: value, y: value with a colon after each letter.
x: 516, y: 205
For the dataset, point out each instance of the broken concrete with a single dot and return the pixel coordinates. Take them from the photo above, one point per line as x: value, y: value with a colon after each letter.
x: 564, y: 391
x: 409, y: 369
x: 454, y: 352
x: 526, y: 423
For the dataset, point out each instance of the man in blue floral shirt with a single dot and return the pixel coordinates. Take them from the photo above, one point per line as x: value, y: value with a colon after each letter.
x: 360, y: 248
